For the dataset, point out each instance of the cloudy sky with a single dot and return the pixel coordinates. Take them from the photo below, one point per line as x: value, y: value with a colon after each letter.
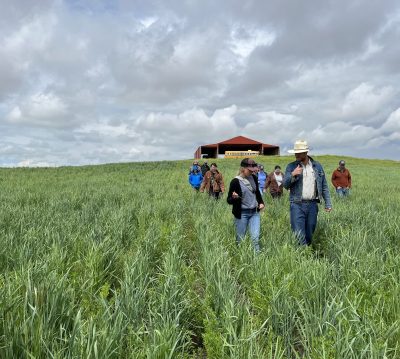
x: 97, y: 81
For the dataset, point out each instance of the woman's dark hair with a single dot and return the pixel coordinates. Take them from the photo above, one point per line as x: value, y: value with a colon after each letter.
x: 276, y: 167
x: 214, y: 164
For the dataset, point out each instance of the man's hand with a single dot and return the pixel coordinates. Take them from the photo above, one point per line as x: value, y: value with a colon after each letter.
x: 297, y: 171
x: 329, y: 209
x: 261, y: 206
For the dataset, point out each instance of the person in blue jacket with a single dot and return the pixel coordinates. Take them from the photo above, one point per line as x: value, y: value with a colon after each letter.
x: 306, y: 180
x: 262, y: 178
x: 194, y: 167
x: 195, y: 177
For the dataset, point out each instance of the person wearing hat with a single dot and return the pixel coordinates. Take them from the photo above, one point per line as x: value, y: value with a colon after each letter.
x: 213, y: 182
x: 195, y: 167
x: 341, y: 179
x: 306, y: 180
x: 275, y: 183
x: 246, y: 200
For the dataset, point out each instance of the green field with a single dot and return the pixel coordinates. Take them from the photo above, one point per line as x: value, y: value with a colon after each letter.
x: 126, y: 261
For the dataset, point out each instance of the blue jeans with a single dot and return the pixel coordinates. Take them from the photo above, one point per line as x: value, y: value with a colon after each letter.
x: 342, y: 192
x: 251, y: 220
x: 303, y: 219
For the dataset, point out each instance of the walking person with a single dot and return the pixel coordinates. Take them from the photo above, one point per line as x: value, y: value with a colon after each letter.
x: 306, y: 180
x: 204, y: 168
x: 195, y: 167
x: 213, y: 182
x: 195, y: 179
x: 262, y: 178
x: 275, y: 183
x: 246, y: 200
x: 341, y: 179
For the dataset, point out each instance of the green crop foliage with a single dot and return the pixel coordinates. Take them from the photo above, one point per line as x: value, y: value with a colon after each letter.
x: 127, y: 261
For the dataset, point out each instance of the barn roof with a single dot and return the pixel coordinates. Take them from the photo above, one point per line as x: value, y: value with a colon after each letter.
x: 239, y: 140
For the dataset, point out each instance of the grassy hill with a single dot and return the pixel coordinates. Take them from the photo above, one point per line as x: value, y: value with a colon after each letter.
x: 126, y: 261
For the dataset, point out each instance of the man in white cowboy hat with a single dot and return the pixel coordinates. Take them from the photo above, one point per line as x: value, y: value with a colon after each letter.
x: 305, y: 178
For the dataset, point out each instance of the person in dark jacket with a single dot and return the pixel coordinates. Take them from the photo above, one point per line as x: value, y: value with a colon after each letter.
x: 246, y: 200
x: 204, y: 168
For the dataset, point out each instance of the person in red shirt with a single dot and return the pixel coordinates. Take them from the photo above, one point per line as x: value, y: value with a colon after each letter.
x: 341, y: 179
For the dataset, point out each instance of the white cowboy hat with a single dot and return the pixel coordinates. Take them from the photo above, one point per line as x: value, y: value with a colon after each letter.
x: 299, y: 147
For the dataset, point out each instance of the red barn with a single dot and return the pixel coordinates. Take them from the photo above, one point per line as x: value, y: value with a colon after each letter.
x: 239, y: 143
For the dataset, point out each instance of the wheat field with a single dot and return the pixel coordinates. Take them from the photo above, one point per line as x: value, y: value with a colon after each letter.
x: 126, y: 261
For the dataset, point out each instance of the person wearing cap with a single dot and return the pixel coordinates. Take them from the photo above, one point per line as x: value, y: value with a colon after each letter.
x: 275, y: 183
x: 341, y: 179
x: 195, y: 167
x: 262, y: 178
x: 306, y: 180
x: 246, y: 200
x: 213, y: 182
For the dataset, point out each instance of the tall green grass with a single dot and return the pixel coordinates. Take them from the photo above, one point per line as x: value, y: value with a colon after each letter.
x: 126, y: 261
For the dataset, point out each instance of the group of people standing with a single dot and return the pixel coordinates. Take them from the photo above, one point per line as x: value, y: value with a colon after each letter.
x: 206, y: 178
x: 304, y: 178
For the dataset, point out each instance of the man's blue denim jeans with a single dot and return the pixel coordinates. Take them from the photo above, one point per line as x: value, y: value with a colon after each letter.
x: 303, y: 219
x: 251, y: 220
x: 342, y: 192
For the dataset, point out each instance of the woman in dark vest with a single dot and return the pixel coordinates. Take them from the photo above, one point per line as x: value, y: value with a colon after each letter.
x: 246, y: 200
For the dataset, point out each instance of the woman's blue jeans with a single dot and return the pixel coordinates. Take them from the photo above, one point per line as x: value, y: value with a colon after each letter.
x: 342, y: 192
x: 250, y: 219
x: 303, y: 220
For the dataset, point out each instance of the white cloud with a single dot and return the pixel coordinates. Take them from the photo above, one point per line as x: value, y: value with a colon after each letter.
x: 103, y: 128
x: 392, y: 124
x: 32, y: 35
x: 148, y: 21
x: 339, y: 134
x: 33, y: 163
x: 98, y: 70
x: 84, y: 83
x: 273, y: 127
x: 365, y: 100
x: 188, y: 127
x: 244, y: 40
x: 40, y: 110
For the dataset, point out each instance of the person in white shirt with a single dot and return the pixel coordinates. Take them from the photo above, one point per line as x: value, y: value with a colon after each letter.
x: 306, y: 180
x: 275, y: 183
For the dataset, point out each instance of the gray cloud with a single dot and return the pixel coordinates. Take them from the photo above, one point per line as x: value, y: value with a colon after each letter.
x: 100, y: 81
